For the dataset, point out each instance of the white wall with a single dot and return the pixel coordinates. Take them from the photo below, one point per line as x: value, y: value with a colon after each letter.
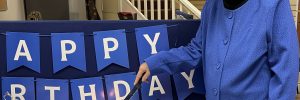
x: 77, y: 10
x: 15, y: 10
x: 111, y: 9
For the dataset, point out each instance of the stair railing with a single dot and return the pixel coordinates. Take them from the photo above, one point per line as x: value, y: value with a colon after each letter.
x: 184, y: 5
x: 140, y: 16
x: 191, y: 9
x: 159, y: 9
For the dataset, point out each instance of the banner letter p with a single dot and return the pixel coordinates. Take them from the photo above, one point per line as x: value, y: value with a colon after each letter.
x: 64, y: 50
x: 107, y: 49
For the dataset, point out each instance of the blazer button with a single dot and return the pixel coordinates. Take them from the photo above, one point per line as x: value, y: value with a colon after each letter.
x: 230, y: 15
x: 225, y: 41
x: 215, y: 92
x: 218, y: 66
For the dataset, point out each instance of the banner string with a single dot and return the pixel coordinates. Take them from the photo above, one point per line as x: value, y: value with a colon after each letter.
x: 2, y: 34
x: 68, y: 80
x: 46, y: 35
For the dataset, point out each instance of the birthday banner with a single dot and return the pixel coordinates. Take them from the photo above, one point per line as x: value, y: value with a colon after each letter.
x: 68, y: 50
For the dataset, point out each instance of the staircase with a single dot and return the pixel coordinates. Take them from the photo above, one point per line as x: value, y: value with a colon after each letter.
x: 159, y: 10
x: 165, y: 9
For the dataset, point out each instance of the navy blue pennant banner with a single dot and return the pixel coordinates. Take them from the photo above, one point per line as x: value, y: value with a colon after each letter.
x: 111, y: 47
x: 87, y: 89
x: 151, y: 40
x: 189, y: 82
x: 119, y: 85
x: 52, y: 89
x: 23, y: 49
x: 68, y: 49
x: 18, y: 88
x: 158, y: 88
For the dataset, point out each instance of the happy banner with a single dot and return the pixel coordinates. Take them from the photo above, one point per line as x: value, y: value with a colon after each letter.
x: 68, y: 49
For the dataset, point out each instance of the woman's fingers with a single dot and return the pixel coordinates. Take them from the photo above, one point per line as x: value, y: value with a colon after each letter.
x: 143, y: 69
x: 138, y: 76
x: 145, y: 77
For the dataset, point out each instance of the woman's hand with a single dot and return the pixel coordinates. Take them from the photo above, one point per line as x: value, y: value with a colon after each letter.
x: 143, y: 69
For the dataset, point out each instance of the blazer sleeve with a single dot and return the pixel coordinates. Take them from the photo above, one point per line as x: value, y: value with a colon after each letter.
x: 184, y: 57
x: 283, y: 54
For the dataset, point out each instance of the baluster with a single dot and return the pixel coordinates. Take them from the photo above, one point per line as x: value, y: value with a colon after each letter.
x: 180, y: 7
x: 159, y: 9
x: 133, y: 3
x: 152, y: 9
x: 139, y: 5
x: 145, y: 9
x: 173, y: 9
x: 166, y: 10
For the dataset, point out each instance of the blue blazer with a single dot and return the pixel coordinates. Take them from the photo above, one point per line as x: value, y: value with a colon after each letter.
x: 250, y: 53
